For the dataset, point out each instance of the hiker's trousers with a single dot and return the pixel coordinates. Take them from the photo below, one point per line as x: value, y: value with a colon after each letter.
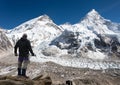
x: 23, y: 62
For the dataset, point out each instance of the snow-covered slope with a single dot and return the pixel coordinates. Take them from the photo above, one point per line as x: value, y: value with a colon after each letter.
x: 95, y: 22
x: 38, y: 30
x: 5, y: 44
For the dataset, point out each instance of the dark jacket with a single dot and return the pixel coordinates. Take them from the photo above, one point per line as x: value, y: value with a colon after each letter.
x: 24, y: 47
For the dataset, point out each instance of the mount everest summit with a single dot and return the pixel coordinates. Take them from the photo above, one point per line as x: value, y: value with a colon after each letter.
x: 94, y: 39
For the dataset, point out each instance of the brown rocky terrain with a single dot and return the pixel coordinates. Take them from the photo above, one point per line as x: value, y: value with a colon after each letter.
x: 15, y: 80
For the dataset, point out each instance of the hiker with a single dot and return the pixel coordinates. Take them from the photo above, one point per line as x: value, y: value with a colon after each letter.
x: 23, y: 60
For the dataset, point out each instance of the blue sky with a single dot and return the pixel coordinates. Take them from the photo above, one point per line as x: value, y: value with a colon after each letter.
x: 16, y: 12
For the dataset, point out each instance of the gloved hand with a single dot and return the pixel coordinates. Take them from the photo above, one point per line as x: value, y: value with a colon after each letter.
x: 16, y: 54
x: 33, y: 54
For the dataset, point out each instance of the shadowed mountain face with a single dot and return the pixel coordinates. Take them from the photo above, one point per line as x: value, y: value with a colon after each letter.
x: 75, y: 43
x: 5, y: 44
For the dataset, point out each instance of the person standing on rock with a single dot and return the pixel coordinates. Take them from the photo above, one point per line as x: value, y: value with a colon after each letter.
x: 24, y: 47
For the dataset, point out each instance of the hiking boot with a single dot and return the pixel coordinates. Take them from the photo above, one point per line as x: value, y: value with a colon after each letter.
x: 19, y: 71
x: 26, y: 77
x: 24, y: 73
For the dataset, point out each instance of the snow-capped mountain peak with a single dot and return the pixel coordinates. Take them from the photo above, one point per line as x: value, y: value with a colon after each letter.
x: 45, y: 18
x: 38, y: 29
x: 96, y: 23
x: 94, y: 16
x: 41, y: 20
x: 93, y: 13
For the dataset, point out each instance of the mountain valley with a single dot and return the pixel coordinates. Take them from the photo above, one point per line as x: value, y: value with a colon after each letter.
x: 87, y: 53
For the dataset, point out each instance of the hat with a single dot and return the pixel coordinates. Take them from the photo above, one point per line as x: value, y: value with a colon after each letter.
x: 24, y: 36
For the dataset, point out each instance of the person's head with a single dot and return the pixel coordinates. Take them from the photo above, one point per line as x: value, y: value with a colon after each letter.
x: 24, y: 36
